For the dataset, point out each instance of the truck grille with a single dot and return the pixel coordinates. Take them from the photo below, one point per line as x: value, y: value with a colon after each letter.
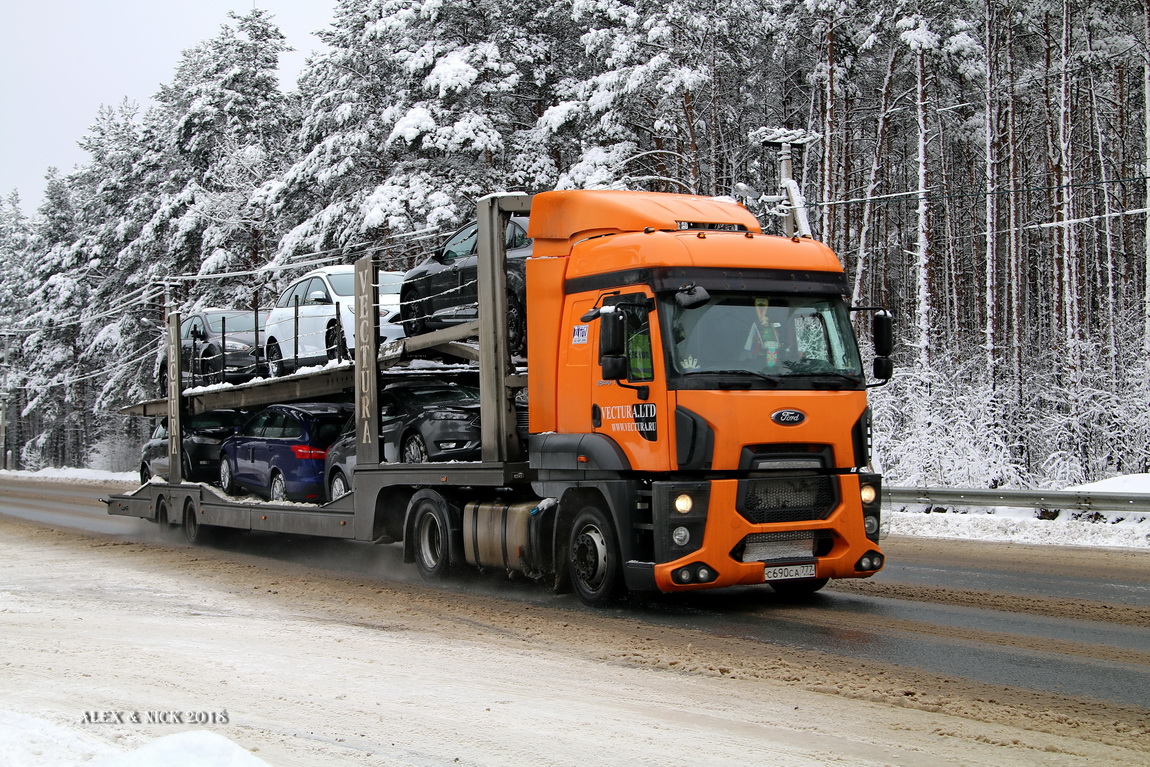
x: 787, y: 499
x: 777, y: 547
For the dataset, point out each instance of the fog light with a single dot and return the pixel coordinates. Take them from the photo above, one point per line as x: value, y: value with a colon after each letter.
x: 684, y: 503
x: 680, y: 535
x: 870, y: 524
x: 685, y: 575
x: 704, y: 574
x: 864, y: 564
x: 876, y: 561
x: 868, y: 493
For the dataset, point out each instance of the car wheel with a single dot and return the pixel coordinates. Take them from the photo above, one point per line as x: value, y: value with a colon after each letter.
x: 162, y: 379
x: 336, y: 344
x: 338, y: 486
x: 275, y: 358
x: 414, y: 450
x: 277, y: 491
x: 186, y: 468
x: 145, y: 474
x: 516, y: 326
x: 411, y: 313
x: 227, y: 482
x: 593, y: 557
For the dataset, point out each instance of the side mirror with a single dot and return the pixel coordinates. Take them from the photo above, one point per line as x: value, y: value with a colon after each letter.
x: 691, y: 296
x: 318, y: 297
x: 882, y: 331
x: 615, y: 367
x: 882, y: 368
x: 612, y: 333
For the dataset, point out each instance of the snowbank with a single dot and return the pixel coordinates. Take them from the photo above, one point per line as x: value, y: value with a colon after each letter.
x: 27, y: 741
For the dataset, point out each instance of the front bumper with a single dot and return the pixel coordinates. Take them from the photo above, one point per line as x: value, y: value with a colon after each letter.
x: 733, y: 541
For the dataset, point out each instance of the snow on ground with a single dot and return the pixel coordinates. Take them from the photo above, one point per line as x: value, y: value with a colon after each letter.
x: 30, y: 742
x: 27, y: 741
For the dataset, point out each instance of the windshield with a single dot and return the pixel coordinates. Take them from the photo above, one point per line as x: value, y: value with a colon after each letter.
x: 238, y: 322
x: 342, y: 283
x: 762, y: 337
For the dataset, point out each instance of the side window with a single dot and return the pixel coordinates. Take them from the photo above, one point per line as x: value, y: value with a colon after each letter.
x: 290, y: 293
x: 255, y: 427
x: 316, y: 286
x: 462, y: 243
x: 640, y: 363
x: 290, y: 427
x: 186, y: 328
x: 161, y: 431
x: 516, y: 237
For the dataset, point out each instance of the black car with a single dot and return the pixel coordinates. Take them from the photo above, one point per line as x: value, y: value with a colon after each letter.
x: 217, y: 345
x: 203, y: 433
x: 422, y: 422
x: 279, y: 452
x: 442, y: 290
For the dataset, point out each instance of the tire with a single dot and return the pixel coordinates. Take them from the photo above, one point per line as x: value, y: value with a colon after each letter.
x: 337, y: 486
x: 275, y: 358
x: 162, y: 380
x: 186, y: 468
x: 162, y: 521
x: 227, y: 481
x: 411, y: 313
x: 593, y: 558
x: 798, y: 588
x: 195, y: 533
x: 414, y: 450
x: 145, y: 474
x: 432, y: 535
x: 277, y: 488
x: 336, y: 344
x: 516, y: 326
x: 211, y: 368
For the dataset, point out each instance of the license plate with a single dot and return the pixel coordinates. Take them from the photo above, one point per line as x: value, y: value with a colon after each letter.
x: 788, y: 572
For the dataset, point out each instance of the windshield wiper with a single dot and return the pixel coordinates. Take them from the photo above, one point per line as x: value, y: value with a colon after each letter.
x: 772, y: 379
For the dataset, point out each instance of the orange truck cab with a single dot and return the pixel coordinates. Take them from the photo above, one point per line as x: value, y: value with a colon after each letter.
x: 698, y: 402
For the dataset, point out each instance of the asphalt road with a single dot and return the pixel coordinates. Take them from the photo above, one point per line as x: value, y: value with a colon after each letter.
x: 1046, y: 620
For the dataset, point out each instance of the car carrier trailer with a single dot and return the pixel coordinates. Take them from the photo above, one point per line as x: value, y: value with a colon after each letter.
x: 645, y: 467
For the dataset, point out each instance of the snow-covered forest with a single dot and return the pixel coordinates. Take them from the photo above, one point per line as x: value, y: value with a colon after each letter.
x: 979, y: 165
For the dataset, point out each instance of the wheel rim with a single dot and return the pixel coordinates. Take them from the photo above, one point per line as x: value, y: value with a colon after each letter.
x: 589, y: 556
x: 515, y: 326
x: 332, y: 343
x: 191, y: 525
x: 414, y: 450
x: 278, y: 489
x: 338, y: 486
x: 225, y: 473
x: 430, y: 541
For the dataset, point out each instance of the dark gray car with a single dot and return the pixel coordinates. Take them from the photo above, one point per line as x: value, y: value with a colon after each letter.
x: 442, y: 290
x: 217, y: 345
x: 203, y: 433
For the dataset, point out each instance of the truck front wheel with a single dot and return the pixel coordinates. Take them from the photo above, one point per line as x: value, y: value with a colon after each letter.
x: 594, y: 559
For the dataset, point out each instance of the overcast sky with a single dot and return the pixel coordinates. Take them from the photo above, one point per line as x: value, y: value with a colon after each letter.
x: 61, y: 60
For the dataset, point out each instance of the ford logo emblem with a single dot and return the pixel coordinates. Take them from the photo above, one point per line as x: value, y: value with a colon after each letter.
x: 788, y: 417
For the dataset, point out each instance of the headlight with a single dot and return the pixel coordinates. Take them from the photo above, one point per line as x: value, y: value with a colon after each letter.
x: 868, y: 494
x: 447, y: 415
x: 236, y: 346
x: 681, y: 536
x: 684, y: 503
x: 870, y: 524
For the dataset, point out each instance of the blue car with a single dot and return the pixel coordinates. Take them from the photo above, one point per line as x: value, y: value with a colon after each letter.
x: 279, y: 452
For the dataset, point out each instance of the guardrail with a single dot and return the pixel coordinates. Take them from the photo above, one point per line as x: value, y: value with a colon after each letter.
x: 1026, y: 499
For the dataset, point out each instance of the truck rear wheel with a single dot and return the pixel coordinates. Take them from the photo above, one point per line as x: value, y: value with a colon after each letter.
x: 193, y: 531
x: 593, y: 558
x: 432, y: 535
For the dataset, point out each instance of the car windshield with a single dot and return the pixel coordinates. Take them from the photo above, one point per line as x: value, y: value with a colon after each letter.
x: 439, y: 395
x: 390, y: 282
x: 237, y: 322
x: 343, y: 283
x: 767, y: 337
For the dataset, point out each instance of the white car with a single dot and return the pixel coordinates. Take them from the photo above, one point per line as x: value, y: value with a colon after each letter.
x: 313, y: 321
